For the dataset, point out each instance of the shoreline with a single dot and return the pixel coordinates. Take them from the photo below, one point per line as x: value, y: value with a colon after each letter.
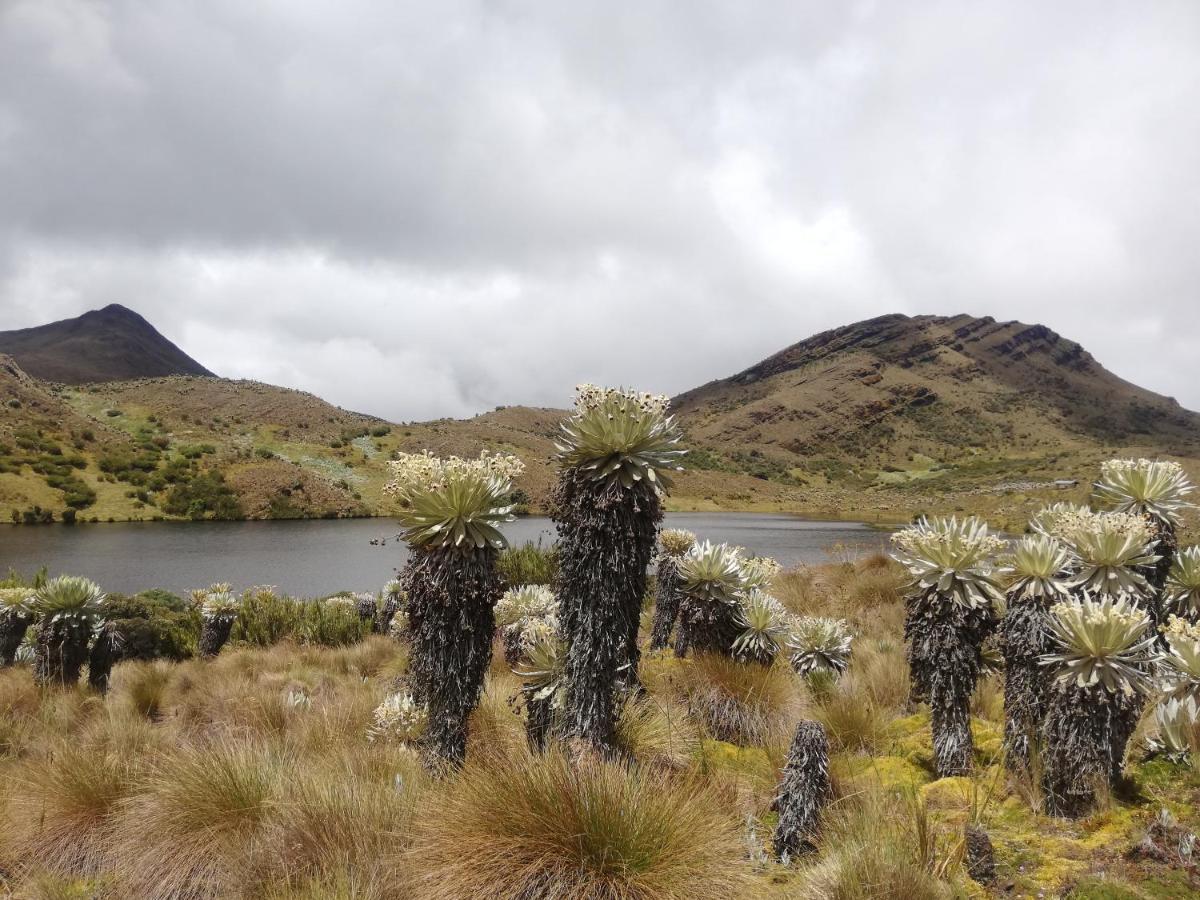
x: 806, y: 515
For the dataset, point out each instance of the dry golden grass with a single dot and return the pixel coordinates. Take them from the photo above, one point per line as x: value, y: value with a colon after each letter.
x: 879, y: 847
x: 728, y: 700
x: 61, y: 805
x: 546, y: 828
x: 657, y: 732
x: 192, y: 827
x: 340, y: 828
x: 251, y: 777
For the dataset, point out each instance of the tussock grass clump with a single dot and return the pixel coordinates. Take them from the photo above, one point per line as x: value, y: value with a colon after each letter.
x: 143, y: 686
x: 853, y: 721
x: 543, y: 827
x: 735, y: 702
x: 881, y: 671
x: 657, y: 733
x: 61, y: 806
x: 191, y: 829
x: 334, y: 833
x: 855, y: 591
x: 874, y: 585
x: 879, y: 847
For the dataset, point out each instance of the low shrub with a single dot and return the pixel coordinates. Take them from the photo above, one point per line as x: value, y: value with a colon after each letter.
x: 528, y: 564
x: 266, y: 618
x: 153, y: 625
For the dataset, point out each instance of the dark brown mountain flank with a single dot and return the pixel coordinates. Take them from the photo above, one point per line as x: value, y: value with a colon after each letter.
x: 891, y: 388
x: 110, y: 344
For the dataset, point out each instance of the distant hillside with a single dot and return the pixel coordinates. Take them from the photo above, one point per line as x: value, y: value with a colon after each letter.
x: 897, y: 384
x: 907, y: 411
x: 876, y: 421
x: 109, y: 344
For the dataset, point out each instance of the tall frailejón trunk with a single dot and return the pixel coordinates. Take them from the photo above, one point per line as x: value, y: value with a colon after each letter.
x: 1128, y: 710
x: 804, y: 792
x: 367, y: 608
x: 606, y: 539
x: 387, y: 612
x: 214, y: 634
x: 1166, y: 545
x: 1027, y: 684
x: 62, y: 649
x: 13, y: 625
x: 451, y: 593
x: 539, y: 722
x: 1080, y: 731
x: 915, y: 615
x: 711, y: 625
x: 666, y: 603
x: 103, y: 657
x: 944, y: 653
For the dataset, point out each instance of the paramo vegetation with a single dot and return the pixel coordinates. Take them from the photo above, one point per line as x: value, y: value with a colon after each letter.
x: 631, y: 713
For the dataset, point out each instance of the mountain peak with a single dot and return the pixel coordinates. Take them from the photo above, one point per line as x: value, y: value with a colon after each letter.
x: 114, y: 343
x: 899, y: 385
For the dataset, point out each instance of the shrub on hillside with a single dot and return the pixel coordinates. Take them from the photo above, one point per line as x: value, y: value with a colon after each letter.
x: 204, y: 497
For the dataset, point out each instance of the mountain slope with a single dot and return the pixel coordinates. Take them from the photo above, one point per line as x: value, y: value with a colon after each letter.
x: 874, y: 421
x: 109, y: 344
x: 895, y: 386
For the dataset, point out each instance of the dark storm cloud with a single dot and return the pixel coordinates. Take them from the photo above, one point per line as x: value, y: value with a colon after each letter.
x: 427, y: 209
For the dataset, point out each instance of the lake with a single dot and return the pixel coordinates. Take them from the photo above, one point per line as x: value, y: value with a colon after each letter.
x: 318, y: 557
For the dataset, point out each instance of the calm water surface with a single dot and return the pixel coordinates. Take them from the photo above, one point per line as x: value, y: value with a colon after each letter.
x: 318, y: 557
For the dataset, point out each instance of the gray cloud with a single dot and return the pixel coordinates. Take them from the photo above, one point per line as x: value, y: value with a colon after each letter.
x: 431, y: 209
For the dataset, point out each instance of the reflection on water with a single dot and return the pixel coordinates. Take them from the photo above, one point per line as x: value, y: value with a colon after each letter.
x: 318, y: 557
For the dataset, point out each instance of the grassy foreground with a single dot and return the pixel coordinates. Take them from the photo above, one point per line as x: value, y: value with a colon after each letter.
x: 253, y: 776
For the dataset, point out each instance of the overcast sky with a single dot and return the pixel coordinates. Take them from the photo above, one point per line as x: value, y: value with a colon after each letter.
x: 426, y: 209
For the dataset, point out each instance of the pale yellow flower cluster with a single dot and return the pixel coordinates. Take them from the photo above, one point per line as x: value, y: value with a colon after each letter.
x: 1183, y: 656
x: 1047, y: 518
x: 400, y: 718
x: 1121, y: 614
x: 676, y: 541
x: 1115, y: 468
x: 341, y: 600
x: 425, y: 472
x: 1068, y: 524
x: 538, y: 630
x: 1180, y: 627
x: 760, y: 571
x: 949, y: 543
x: 590, y: 396
x: 528, y: 600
